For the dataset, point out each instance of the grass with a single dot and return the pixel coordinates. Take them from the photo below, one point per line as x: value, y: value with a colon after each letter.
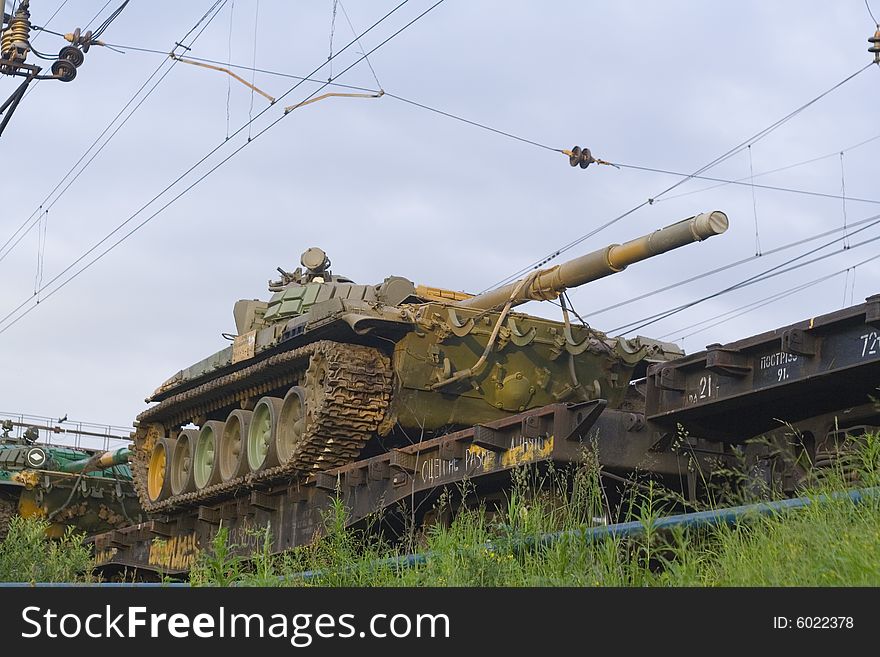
x: 27, y: 556
x: 829, y: 544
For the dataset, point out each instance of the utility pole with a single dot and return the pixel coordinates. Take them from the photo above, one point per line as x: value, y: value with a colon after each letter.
x: 15, y: 46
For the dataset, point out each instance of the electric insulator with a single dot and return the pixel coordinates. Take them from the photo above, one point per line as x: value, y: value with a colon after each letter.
x: 63, y: 70
x: 72, y: 55
x: 582, y: 157
x: 14, y: 45
x: 875, y: 45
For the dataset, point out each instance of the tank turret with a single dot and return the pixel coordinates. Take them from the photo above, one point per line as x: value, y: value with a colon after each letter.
x: 67, y: 486
x: 328, y: 370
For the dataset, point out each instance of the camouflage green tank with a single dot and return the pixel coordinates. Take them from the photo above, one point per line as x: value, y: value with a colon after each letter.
x: 89, y: 490
x: 327, y: 371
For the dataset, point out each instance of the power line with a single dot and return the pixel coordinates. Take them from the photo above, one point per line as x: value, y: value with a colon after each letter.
x: 733, y: 314
x: 95, y: 35
x: 871, y: 14
x: 474, y: 123
x: 98, y: 13
x: 743, y: 310
x: 390, y: 95
x: 207, y: 173
x: 244, y: 67
x: 771, y: 171
x: 772, y: 272
x: 354, y: 31
x: 4, y: 251
x: 540, y: 145
x: 49, y: 20
x: 731, y: 265
x: 775, y: 188
x: 188, y: 171
x: 718, y: 160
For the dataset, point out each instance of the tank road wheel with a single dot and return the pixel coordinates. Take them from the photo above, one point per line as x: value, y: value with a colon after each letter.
x: 206, y: 464
x: 181, y: 463
x: 233, y: 445
x: 158, y: 470
x: 262, y: 433
x: 291, y: 426
x: 8, y: 510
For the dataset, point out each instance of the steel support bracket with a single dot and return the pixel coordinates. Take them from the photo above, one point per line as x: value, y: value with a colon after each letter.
x: 727, y: 362
x: 798, y: 341
x: 490, y: 438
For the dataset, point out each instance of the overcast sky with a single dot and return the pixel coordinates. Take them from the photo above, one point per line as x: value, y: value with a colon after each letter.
x: 387, y: 188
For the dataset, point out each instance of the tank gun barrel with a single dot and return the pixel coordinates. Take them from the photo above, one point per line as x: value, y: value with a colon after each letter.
x: 547, y: 284
x: 99, y: 461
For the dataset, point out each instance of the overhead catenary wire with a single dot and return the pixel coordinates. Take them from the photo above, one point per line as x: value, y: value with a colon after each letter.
x: 253, y: 74
x: 758, y: 278
x: 653, y: 319
x: 742, y: 310
x: 754, y: 204
x: 727, y: 266
x: 758, y: 136
x: 772, y: 272
x: 199, y: 162
x: 721, y: 318
x: 202, y: 177
x: 843, y: 195
x: 29, y: 223
x: 49, y: 20
x: 9, y: 321
x: 755, y: 305
x: 518, y: 138
x: 720, y: 181
x: 332, y: 33
x: 843, y: 201
x: 871, y: 13
x: 229, y: 58
x: 354, y: 32
x: 771, y: 171
x: 93, y: 19
x: 746, y: 183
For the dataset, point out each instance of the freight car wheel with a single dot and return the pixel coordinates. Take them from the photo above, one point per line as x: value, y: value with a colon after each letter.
x: 233, y: 445
x: 262, y: 433
x: 8, y: 510
x: 182, y: 480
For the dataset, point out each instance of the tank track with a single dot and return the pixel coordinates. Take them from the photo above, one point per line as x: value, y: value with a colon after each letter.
x: 348, y: 385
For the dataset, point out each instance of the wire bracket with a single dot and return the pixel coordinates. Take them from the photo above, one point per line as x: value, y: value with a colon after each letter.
x: 333, y: 94
x: 178, y: 58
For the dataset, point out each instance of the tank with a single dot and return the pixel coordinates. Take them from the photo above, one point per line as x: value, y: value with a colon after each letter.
x: 327, y: 371
x: 91, y: 491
